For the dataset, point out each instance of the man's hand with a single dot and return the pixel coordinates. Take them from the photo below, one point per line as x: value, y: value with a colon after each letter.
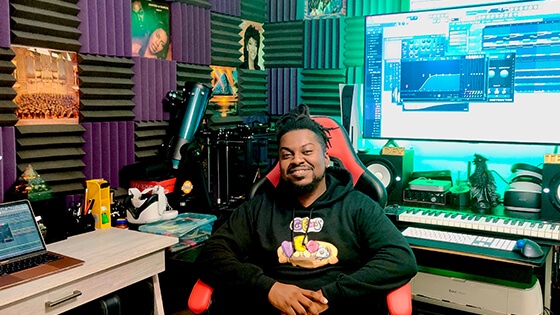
x: 292, y: 300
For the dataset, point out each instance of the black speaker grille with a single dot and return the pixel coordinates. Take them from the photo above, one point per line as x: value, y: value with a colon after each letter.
x: 398, y: 168
x: 550, y: 198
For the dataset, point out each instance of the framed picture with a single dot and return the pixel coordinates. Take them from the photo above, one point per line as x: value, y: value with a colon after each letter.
x: 151, y: 32
x: 324, y: 8
x: 224, y: 91
x: 251, y: 41
x: 46, y: 85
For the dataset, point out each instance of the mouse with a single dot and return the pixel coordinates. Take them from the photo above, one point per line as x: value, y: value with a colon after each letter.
x: 528, y: 248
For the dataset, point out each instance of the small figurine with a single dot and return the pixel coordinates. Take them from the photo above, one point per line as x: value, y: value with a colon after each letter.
x: 30, y: 185
x: 483, y: 185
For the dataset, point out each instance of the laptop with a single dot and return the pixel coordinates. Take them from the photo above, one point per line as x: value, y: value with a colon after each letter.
x: 21, y: 239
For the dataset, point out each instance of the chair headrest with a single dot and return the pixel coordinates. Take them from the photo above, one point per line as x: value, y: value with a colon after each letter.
x: 341, y: 148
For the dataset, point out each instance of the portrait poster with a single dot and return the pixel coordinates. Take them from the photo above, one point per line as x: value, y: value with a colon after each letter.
x: 315, y: 9
x: 151, y: 31
x: 47, y: 86
x: 224, y: 91
x: 252, y: 55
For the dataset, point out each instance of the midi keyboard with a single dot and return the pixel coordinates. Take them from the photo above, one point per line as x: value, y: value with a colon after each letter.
x: 481, y: 222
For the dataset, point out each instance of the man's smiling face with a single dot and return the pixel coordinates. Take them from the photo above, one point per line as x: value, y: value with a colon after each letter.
x: 302, y: 159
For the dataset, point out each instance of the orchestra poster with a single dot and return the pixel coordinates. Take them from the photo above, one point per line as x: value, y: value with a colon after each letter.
x: 46, y: 85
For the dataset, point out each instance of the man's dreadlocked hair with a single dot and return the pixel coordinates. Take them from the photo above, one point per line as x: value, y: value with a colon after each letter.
x: 299, y: 118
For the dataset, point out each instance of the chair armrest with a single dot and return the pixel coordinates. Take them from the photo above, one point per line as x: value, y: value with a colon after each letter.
x: 399, y: 301
x: 200, y: 297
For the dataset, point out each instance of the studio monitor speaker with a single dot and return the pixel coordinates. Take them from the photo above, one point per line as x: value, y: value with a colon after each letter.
x: 550, y: 202
x: 393, y: 170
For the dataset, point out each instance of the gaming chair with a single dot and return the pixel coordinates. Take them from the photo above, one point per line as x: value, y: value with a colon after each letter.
x: 399, y: 301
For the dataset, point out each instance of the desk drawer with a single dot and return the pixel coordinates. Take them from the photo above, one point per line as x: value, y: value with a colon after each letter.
x: 91, y: 287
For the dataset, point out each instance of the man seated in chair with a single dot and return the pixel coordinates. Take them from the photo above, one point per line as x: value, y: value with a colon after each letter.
x: 313, y: 245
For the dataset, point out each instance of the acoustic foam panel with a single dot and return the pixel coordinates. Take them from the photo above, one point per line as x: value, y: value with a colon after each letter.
x: 229, y: 7
x: 55, y: 152
x: 153, y: 78
x: 105, y: 27
x: 190, y: 33
x: 284, y: 11
x: 148, y: 138
x: 108, y: 147
x: 4, y: 24
x: 105, y: 88
x: 320, y: 90
x: 283, y: 45
x: 8, y: 161
x: 354, y: 45
x: 206, y: 4
x: 225, y: 40
x: 322, y: 43
x: 252, y: 92
x: 193, y: 74
x: 7, y: 93
x: 283, y: 91
x: 42, y: 23
x: 254, y: 10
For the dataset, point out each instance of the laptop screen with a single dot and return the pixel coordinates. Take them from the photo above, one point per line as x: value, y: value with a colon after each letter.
x: 19, y: 233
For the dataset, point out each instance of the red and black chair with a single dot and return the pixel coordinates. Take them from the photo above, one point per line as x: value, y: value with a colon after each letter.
x: 341, y: 152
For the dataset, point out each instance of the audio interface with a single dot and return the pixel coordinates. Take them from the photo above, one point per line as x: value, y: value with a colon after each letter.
x: 428, y: 197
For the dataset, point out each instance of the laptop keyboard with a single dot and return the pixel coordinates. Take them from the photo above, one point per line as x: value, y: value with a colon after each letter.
x: 27, y: 263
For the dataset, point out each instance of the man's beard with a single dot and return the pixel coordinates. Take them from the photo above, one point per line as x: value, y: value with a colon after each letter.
x: 301, y: 190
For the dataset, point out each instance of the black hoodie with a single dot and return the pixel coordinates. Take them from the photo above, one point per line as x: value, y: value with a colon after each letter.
x: 351, y: 250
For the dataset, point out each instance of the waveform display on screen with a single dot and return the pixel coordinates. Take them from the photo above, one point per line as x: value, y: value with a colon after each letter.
x: 464, y: 74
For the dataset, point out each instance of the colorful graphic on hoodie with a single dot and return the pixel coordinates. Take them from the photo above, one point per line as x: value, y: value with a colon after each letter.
x: 303, y: 252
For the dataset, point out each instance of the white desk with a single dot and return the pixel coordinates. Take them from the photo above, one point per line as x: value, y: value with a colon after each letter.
x: 114, y: 258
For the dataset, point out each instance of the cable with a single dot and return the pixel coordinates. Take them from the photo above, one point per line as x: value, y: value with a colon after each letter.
x: 504, y: 180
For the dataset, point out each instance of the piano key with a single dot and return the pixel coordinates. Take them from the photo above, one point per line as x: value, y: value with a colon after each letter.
x: 556, y: 232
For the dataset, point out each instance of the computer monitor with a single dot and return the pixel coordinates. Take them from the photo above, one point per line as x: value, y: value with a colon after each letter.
x: 487, y: 73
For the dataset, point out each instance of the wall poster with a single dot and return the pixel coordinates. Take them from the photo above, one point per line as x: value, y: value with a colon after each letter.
x: 151, y: 32
x: 251, y: 42
x: 324, y: 8
x: 224, y: 92
x: 46, y: 85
